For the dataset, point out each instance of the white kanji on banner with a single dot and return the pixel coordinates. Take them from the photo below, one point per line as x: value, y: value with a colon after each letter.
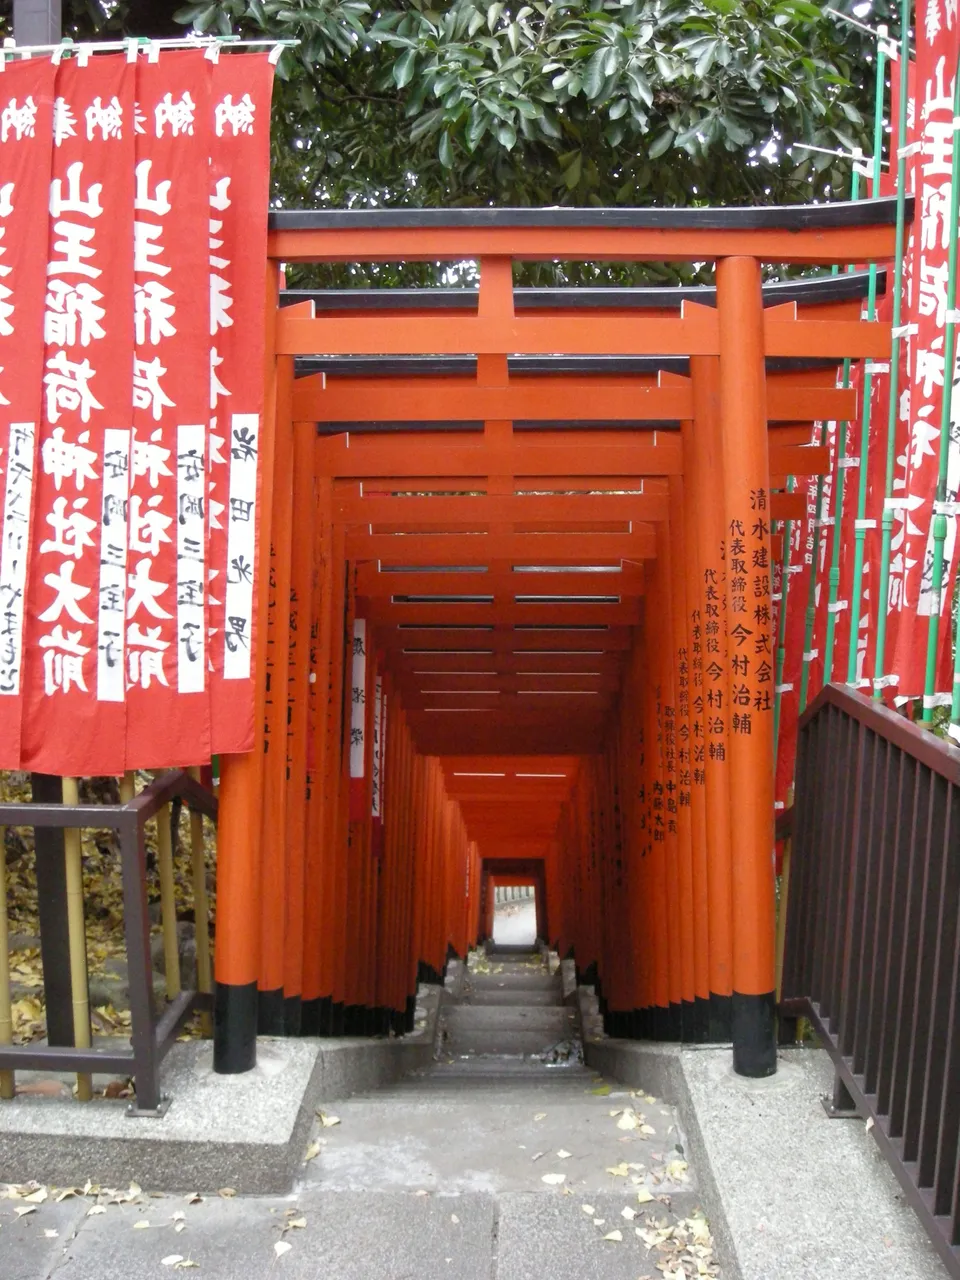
x: 358, y: 708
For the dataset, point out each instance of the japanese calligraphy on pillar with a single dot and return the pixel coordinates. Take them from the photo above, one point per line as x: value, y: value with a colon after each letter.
x: 75, y: 720
x: 26, y: 110
x: 358, y: 719
x: 238, y: 195
x: 711, y: 703
x: 695, y: 702
x: 750, y: 633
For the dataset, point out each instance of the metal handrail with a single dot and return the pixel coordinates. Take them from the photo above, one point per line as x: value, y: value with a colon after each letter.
x: 151, y: 1036
x: 872, y: 947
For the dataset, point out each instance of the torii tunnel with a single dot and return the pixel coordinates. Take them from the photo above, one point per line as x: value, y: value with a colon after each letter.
x: 556, y: 511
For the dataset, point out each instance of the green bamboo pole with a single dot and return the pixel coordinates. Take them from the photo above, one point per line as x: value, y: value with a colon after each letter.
x: 782, y: 628
x: 879, y: 679
x: 811, y: 615
x: 949, y: 351
x: 833, y: 578
x: 860, y: 525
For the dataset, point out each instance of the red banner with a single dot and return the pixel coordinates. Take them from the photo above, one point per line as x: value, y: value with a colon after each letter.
x: 127, y: 515
x: 911, y: 590
x: 168, y: 719
x: 26, y: 116
x: 74, y: 717
x: 240, y: 110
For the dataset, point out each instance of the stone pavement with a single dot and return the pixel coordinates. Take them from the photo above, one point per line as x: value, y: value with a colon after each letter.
x: 486, y: 1167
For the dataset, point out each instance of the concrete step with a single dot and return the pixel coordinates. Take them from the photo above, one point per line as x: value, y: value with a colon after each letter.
x: 510, y: 995
x: 494, y: 1073
x: 529, y: 981
x: 492, y: 1040
x: 504, y: 951
x: 480, y: 1017
x: 515, y: 964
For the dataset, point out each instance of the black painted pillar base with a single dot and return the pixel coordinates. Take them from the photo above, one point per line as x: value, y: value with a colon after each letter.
x: 271, y: 1020
x: 720, y: 1019
x: 234, y: 1028
x: 311, y: 1016
x: 673, y: 1028
x: 754, y: 1035
x: 293, y: 1016
x: 336, y: 1018
x: 410, y: 1014
x: 356, y: 1020
x: 701, y: 1020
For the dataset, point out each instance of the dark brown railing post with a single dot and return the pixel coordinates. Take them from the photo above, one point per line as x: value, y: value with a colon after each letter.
x: 872, y: 950
x: 136, y: 924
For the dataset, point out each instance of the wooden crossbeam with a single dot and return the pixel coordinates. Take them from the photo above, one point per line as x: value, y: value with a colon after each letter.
x: 537, y: 399
x: 448, y: 399
x: 505, y: 639
x: 533, y: 706
x: 506, y: 682
x: 417, y: 665
x: 628, y: 581
x: 800, y: 460
x: 551, y: 453
x: 351, y: 509
x: 624, y: 613
x: 695, y: 333
x: 512, y: 764
x: 515, y: 548
x: 482, y: 732
x: 818, y: 246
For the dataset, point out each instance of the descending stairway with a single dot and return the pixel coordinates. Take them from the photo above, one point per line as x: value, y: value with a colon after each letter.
x: 509, y: 1013
x: 483, y: 1166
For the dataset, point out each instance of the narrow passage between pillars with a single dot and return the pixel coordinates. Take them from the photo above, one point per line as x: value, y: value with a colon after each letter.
x: 520, y: 620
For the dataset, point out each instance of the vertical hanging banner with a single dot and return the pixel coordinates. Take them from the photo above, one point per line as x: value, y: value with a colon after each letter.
x: 74, y: 714
x: 239, y: 111
x: 912, y: 593
x: 126, y: 522
x: 166, y: 636
x: 26, y: 135
x: 358, y: 721
x: 376, y: 776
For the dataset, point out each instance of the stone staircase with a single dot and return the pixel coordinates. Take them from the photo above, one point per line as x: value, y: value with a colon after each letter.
x: 509, y: 1007
x: 484, y: 1166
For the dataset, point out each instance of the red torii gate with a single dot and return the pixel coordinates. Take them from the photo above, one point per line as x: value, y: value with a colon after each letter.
x: 439, y: 443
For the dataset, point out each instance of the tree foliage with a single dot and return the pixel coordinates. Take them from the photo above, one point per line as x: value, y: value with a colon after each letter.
x: 603, y: 102
x: 557, y: 101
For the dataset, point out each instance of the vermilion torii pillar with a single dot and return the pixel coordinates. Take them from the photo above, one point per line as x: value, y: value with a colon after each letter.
x: 750, y: 661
